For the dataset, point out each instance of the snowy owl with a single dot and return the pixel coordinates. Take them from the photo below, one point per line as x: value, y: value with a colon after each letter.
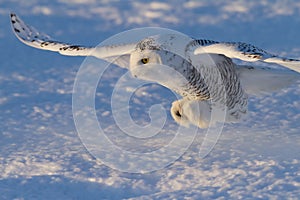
x: 201, y: 71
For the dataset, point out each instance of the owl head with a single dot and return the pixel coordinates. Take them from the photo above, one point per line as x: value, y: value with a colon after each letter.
x: 157, y: 59
x: 158, y: 49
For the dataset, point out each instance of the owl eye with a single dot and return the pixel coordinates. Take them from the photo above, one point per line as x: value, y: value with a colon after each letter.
x: 145, y: 60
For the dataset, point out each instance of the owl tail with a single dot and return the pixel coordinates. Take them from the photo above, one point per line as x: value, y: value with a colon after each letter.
x: 262, y: 80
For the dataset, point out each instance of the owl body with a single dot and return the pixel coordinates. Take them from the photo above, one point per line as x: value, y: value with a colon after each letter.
x: 212, y: 78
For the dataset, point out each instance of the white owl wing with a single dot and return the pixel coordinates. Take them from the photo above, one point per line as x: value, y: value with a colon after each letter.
x: 118, y: 54
x: 246, y: 52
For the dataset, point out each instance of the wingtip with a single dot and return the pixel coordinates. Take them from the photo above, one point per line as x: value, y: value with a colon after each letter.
x: 16, y: 26
x: 12, y: 15
x: 13, y: 18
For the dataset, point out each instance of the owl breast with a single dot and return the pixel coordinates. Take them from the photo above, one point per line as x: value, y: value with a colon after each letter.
x: 194, y: 87
x: 216, y: 81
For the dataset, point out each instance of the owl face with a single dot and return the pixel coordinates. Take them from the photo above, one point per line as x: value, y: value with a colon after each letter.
x: 143, y: 64
x: 140, y: 58
x: 159, y: 66
x: 165, y: 49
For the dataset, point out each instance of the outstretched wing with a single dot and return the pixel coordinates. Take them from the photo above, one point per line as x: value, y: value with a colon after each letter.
x: 118, y: 54
x: 265, y: 80
x: 246, y: 52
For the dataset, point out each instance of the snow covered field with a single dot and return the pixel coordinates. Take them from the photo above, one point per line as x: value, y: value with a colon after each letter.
x: 41, y: 155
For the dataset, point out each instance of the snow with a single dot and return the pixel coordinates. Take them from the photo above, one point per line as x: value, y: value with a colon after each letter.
x: 42, y: 157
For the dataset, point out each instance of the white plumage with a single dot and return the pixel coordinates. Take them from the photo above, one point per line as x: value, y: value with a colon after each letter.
x: 201, y: 71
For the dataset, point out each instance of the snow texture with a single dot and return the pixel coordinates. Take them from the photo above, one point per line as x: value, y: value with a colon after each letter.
x: 41, y: 156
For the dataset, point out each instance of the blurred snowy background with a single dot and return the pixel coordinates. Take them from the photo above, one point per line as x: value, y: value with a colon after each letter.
x: 41, y: 156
